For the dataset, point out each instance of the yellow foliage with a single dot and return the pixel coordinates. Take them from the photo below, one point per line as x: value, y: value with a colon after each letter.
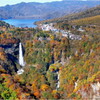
x: 54, y: 91
x: 2, y: 69
x: 12, y: 87
x: 52, y: 37
x: 2, y: 56
x: 44, y: 87
x: 88, y: 20
x: 54, y: 66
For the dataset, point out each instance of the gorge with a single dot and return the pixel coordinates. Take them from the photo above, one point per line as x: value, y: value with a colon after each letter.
x: 60, y: 63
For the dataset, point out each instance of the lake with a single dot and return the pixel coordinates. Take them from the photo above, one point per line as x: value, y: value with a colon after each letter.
x: 22, y: 22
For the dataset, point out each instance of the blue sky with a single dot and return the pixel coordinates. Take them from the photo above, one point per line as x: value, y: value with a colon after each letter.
x: 10, y: 2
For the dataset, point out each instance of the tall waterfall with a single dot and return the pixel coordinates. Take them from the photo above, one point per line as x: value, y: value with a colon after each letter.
x: 21, y: 58
x: 58, y: 83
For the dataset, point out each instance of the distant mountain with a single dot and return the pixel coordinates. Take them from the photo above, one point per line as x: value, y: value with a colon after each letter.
x: 87, y: 13
x: 44, y: 10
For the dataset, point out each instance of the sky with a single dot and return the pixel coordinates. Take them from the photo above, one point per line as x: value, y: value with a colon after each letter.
x: 10, y: 2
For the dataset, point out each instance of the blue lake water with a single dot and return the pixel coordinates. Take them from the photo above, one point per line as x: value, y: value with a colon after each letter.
x: 22, y: 22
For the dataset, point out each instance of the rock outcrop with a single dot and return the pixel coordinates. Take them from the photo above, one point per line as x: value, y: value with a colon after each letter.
x: 9, y: 51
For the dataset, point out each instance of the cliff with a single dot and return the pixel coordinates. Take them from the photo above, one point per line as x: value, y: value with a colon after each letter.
x: 9, y: 51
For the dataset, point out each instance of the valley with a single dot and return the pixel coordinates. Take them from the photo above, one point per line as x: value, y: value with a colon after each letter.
x: 59, y: 59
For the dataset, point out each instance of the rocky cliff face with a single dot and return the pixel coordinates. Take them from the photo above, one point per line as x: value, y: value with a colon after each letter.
x: 9, y: 50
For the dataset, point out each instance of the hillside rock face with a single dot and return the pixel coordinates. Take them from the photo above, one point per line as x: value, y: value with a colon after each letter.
x: 9, y: 51
x: 10, y: 46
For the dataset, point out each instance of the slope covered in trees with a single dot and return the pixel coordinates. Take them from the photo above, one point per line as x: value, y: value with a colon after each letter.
x: 88, y: 13
x: 52, y: 58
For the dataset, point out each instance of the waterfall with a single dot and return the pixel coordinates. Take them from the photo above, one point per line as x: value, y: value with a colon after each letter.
x: 21, y: 58
x: 76, y: 84
x: 58, y: 83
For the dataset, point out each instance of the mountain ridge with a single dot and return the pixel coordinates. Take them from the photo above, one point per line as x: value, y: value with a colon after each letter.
x: 87, y: 13
x: 44, y: 10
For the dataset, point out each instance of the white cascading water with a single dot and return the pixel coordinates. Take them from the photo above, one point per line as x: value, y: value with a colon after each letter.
x: 21, y: 59
x: 58, y: 83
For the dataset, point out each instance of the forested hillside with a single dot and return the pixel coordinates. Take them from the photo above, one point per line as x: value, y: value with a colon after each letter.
x: 88, y: 13
x: 57, y: 66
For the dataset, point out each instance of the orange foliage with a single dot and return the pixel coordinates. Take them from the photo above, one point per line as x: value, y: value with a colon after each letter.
x: 2, y: 54
x: 37, y: 93
x: 2, y: 70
